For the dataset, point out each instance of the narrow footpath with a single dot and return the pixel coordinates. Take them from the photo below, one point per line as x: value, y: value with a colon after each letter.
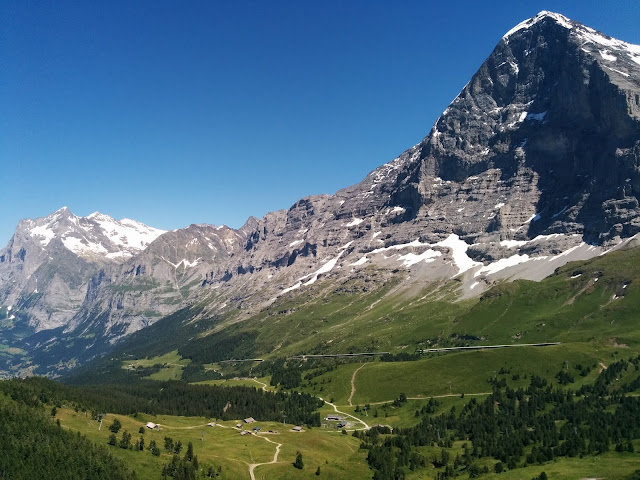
x: 353, y: 384
x: 264, y: 385
x: 253, y: 466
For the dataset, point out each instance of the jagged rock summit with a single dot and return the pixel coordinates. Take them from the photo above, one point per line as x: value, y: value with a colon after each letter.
x: 535, y: 163
x: 549, y: 123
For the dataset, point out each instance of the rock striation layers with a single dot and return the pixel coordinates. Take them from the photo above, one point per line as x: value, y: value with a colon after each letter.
x: 535, y: 163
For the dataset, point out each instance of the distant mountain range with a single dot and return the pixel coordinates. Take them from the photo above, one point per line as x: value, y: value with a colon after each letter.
x: 534, y: 164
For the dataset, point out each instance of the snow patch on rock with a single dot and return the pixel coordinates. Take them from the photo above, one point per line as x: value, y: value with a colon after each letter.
x: 354, y: 222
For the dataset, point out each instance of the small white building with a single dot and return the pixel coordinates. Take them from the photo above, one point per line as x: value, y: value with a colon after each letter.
x: 152, y: 426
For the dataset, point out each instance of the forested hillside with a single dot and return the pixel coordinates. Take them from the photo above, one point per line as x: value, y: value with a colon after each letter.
x: 34, y: 446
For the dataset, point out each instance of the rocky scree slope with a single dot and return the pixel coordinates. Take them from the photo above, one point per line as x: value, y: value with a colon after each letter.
x: 535, y: 163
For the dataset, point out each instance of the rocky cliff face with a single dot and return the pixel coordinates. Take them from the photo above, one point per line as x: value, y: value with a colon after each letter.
x: 534, y: 164
x: 167, y: 275
x: 538, y: 154
x: 550, y: 124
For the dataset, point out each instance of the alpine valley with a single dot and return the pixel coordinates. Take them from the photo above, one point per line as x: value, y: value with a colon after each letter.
x: 514, y: 221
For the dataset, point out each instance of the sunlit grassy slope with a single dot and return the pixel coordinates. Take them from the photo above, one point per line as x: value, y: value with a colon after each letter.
x: 593, y: 301
x: 459, y: 372
x: 337, y: 455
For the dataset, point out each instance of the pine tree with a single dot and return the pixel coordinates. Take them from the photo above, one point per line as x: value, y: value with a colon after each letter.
x: 298, y: 463
x: 168, y: 444
x: 154, y: 448
x: 445, y: 457
x: 115, y: 426
x: 126, y: 440
x: 188, y: 456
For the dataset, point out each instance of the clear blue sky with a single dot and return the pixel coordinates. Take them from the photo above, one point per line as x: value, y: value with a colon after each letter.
x: 174, y: 113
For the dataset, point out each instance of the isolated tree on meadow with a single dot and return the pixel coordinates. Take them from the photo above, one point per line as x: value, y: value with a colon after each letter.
x: 188, y: 456
x: 154, y: 448
x: 115, y: 426
x: 168, y: 444
x: 126, y: 440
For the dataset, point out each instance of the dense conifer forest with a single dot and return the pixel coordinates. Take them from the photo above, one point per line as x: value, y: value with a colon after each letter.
x: 171, y: 398
x: 34, y: 446
x: 514, y: 428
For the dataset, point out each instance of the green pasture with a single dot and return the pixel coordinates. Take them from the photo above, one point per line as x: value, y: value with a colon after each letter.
x: 456, y: 373
x: 172, y: 365
x: 338, y: 455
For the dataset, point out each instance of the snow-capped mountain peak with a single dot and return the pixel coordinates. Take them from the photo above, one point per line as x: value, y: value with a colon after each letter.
x: 97, y: 235
x: 558, y: 18
x: 130, y: 236
x: 592, y: 41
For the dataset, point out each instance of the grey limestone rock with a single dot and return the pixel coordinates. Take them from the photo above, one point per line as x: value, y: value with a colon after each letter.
x: 537, y: 158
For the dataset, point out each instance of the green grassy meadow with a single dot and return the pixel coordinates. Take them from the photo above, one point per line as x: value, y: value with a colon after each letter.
x: 172, y: 365
x: 337, y: 455
x: 460, y: 372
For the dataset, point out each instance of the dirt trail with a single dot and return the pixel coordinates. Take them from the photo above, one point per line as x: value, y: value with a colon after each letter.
x: 169, y: 427
x: 436, y: 396
x: 264, y: 385
x: 253, y: 466
x: 353, y: 384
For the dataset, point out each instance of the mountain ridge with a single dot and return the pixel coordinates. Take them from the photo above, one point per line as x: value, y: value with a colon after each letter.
x: 535, y: 163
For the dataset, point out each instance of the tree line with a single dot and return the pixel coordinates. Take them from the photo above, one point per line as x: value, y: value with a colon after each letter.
x: 170, y: 398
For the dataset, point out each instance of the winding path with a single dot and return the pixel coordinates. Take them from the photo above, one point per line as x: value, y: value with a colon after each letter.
x: 353, y: 384
x: 253, y: 466
x: 264, y: 385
